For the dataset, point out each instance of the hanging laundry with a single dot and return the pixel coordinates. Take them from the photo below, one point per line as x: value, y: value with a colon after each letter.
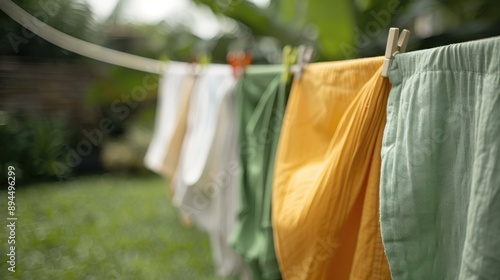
x: 169, y: 93
x: 262, y: 99
x: 173, y: 151
x: 440, y: 182
x: 206, y: 180
x: 325, y: 192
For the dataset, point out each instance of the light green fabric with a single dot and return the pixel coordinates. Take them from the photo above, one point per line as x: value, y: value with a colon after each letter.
x: 261, y: 99
x: 440, y: 181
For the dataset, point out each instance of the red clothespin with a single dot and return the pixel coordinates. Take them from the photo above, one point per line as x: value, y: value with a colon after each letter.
x: 239, y: 61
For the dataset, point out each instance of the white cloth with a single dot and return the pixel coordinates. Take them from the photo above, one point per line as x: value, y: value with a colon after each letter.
x: 169, y: 92
x: 206, y: 185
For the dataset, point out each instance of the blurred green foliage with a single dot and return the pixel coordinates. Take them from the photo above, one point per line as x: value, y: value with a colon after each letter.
x: 104, y: 227
x: 71, y: 17
x: 33, y: 144
x: 119, y: 84
x: 331, y: 24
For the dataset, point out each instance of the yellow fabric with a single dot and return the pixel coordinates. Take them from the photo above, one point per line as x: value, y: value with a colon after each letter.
x: 174, y: 149
x: 325, y: 191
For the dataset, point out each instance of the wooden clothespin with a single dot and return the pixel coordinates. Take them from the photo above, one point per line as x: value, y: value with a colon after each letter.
x: 304, y: 56
x: 239, y: 61
x: 289, y: 59
x: 396, y: 43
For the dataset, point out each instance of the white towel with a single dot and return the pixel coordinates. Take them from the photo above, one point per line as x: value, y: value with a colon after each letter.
x: 169, y: 93
x: 206, y: 185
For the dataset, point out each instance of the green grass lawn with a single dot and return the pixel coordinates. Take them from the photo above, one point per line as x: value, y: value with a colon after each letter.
x: 103, y: 227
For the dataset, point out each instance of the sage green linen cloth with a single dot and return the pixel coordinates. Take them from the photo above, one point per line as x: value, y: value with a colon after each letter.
x: 261, y: 97
x: 440, y: 177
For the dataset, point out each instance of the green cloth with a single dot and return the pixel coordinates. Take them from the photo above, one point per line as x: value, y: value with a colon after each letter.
x: 262, y: 100
x: 440, y: 180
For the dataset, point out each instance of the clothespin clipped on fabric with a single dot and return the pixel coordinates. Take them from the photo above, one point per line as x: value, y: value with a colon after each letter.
x: 289, y: 58
x: 198, y: 62
x: 164, y: 59
x: 204, y: 59
x: 396, y: 43
x: 194, y: 67
x: 239, y: 61
x: 304, y: 56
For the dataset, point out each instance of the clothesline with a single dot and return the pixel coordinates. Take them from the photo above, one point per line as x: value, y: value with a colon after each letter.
x: 78, y: 46
x: 94, y: 51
